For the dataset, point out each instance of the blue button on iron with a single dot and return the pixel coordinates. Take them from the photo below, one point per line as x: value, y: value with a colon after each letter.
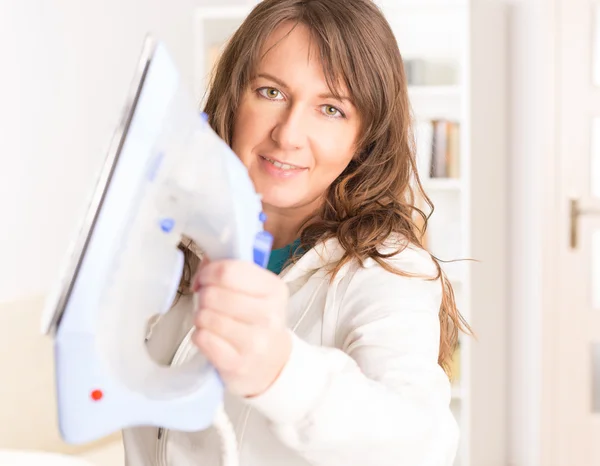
x: 167, y: 224
x: 262, y: 217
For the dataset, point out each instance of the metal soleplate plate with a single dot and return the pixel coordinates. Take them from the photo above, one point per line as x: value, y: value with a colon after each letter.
x: 59, y: 295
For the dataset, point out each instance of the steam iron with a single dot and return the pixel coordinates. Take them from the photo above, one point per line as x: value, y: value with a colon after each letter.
x: 167, y: 174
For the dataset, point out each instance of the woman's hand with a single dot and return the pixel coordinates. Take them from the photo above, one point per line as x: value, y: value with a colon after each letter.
x: 241, y: 324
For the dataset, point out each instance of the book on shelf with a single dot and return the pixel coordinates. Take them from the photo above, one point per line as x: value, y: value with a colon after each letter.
x: 444, y: 149
x: 438, y: 148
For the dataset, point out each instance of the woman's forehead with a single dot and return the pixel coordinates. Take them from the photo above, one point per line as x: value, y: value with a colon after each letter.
x: 291, y: 53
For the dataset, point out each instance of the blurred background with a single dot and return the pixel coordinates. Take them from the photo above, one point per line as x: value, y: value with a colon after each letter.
x: 506, y: 102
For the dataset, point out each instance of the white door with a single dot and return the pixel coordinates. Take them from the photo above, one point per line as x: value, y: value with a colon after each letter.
x: 576, y: 394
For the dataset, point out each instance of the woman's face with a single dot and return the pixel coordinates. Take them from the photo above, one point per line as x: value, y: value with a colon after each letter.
x: 294, y: 137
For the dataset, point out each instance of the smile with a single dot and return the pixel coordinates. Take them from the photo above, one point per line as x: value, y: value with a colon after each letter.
x: 281, y: 166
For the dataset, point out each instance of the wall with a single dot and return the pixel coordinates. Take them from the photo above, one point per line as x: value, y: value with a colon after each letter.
x: 533, y: 224
x: 66, y: 69
x: 489, y: 216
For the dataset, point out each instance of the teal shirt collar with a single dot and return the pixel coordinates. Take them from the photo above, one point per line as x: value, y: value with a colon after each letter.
x: 280, y: 256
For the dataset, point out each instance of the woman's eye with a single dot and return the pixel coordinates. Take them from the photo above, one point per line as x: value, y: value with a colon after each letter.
x: 331, y: 111
x: 270, y: 93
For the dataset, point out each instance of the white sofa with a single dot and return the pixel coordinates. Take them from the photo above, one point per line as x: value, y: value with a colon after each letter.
x: 27, y: 396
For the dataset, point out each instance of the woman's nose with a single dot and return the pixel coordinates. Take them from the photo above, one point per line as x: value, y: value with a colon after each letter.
x: 290, y: 130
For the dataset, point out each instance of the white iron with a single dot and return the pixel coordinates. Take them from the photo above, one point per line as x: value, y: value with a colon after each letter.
x: 167, y: 174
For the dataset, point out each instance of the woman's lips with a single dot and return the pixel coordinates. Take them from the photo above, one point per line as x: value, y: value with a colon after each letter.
x: 280, y: 169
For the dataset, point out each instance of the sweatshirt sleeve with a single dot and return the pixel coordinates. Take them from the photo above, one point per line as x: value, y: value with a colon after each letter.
x: 380, y: 398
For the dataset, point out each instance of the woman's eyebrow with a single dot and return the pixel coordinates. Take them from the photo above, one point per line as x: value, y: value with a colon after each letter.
x: 329, y: 95
x: 270, y: 77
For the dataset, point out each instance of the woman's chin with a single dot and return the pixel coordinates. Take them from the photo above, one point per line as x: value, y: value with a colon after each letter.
x: 290, y: 199
x: 277, y: 202
x: 281, y: 198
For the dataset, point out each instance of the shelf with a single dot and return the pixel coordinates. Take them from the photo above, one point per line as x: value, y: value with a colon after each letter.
x: 454, y: 273
x: 442, y: 184
x: 422, y: 91
x: 457, y: 393
x: 456, y: 279
x: 433, y: 102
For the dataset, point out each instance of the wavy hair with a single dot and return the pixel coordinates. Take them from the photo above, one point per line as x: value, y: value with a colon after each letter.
x: 376, y: 196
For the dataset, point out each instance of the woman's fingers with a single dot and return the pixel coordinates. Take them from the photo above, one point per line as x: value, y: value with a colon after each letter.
x: 217, y: 350
x: 241, y: 323
x: 245, y: 308
x: 236, y: 333
x: 240, y: 276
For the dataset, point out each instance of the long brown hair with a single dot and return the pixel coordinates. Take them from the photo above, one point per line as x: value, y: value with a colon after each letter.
x: 377, y: 194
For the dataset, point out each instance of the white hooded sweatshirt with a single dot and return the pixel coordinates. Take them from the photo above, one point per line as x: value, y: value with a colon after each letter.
x: 362, y: 386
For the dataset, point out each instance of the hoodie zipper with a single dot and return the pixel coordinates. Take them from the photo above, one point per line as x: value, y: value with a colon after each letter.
x: 180, y: 356
x: 243, y: 420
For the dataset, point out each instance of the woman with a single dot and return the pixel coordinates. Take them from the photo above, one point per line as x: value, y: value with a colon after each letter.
x: 338, y: 358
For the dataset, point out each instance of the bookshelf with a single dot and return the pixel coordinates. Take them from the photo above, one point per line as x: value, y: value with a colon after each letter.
x: 446, y: 45
x: 441, y: 125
